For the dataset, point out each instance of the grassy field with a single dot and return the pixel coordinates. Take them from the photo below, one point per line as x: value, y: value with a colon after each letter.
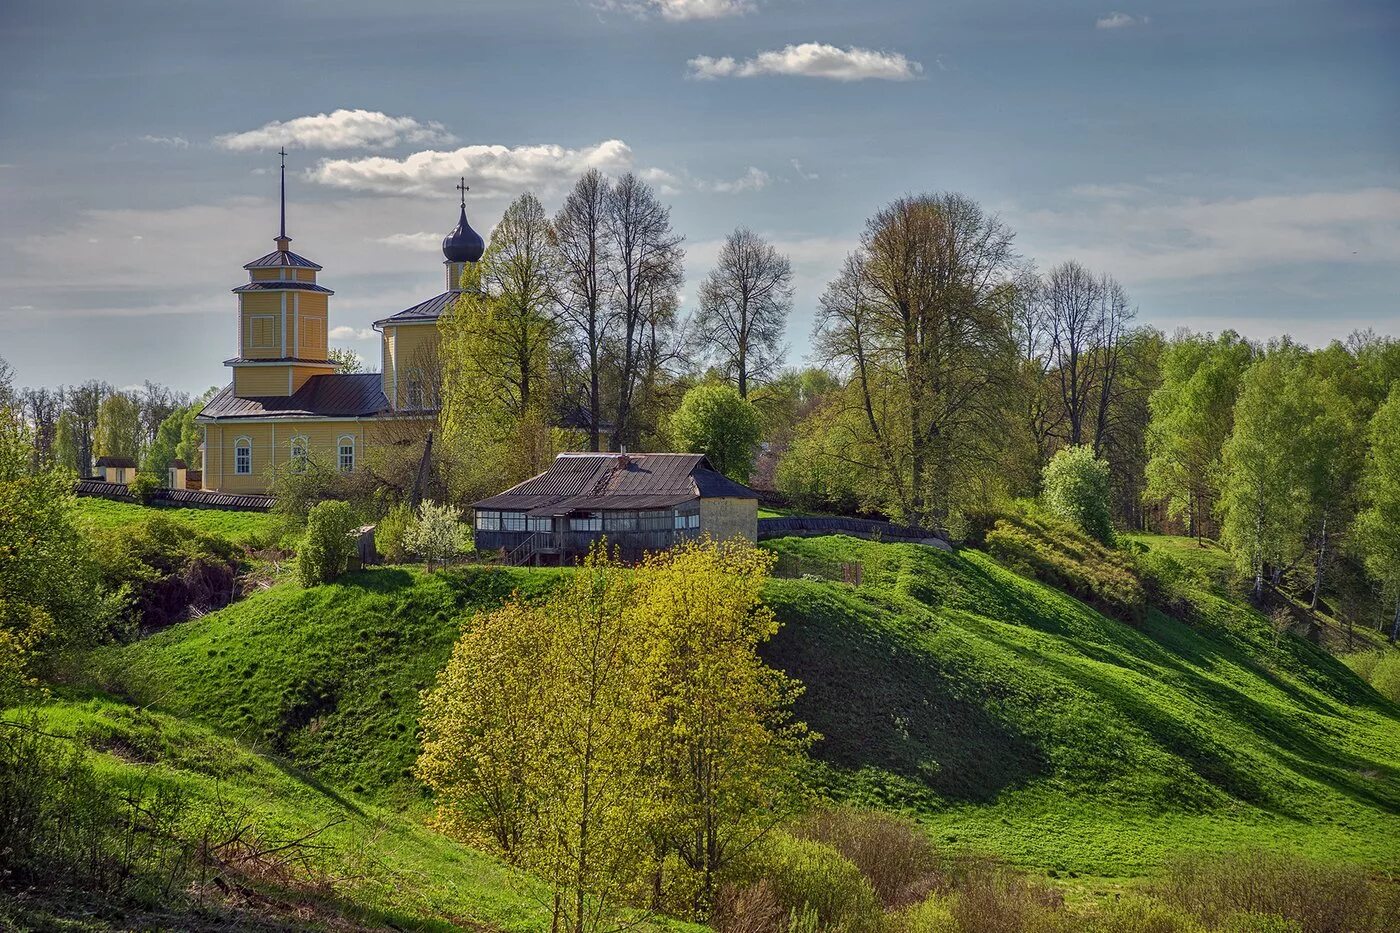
x: 1011, y: 718
x: 239, y: 527
x: 1005, y: 715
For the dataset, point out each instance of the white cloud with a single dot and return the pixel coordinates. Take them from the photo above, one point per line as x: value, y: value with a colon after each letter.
x: 1138, y: 239
x: 802, y: 173
x: 1117, y: 20
x: 174, y: 142
x: 753, y: 179
x: 680, y: 9
x: 352, y: 333
x: 497, y: 170
x: 811, y: 60
x: 666, y: 183
x: 340, y: 129
x: 422, y: 242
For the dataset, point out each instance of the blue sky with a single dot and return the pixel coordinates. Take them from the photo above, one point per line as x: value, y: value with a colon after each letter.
x: 1234, y: 164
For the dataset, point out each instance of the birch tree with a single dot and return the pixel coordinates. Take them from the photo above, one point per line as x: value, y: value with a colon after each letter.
x: 585, y: 255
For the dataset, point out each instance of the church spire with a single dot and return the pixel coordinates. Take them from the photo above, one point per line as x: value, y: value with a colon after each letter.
x: 283, y: 241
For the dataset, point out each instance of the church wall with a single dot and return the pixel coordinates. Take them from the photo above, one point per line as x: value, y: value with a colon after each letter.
x: 302, y: 373
x: 413, y: 345
x: 271, y: 444
x: 253, y: 381
x: 387, y: 345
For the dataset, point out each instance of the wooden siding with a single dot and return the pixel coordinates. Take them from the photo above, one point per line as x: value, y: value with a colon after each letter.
x: 272, y: 448
x: 413, y: 345
x: 572, y: 545
x: 253, y: 381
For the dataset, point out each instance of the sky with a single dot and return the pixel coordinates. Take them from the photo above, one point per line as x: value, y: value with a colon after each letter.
x: 1233, y: 164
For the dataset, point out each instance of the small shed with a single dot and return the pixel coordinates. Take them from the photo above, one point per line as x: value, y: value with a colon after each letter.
x: 638, y: 502
x: 117, y: 469
x: 177, y: 474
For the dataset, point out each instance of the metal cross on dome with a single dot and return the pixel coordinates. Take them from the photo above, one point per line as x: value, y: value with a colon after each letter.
x: 463, y: 187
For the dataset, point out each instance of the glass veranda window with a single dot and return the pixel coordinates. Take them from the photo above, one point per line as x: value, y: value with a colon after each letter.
x: 512, y: 521
x: 540, y: 523
x: 487, y: 520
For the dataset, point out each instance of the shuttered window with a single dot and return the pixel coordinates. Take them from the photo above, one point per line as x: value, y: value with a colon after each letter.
x: 262, y: 331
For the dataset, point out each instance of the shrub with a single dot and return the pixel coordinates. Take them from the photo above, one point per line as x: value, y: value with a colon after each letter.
x: 165, y: 568
x: 392, y: 532
x: 1057, y: 553
x: 1318, y: 897
x: 144, y: 487
x: 327, y: 547
x: 437, y: 535
x: 994, y: 900
x: 1076, y: 489
x: 894, y: 855
x: 806, y: 875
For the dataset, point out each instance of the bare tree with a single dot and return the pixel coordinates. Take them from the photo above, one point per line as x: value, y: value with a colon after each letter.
x: 42, y: 407
x: 744, y: 304
x: 647, y: 259
x: 83, y: 403
x: 157, y: 403
x: 584, y: 249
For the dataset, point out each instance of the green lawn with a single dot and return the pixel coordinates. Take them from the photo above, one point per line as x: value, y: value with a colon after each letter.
x: 1005, y: 715
x: 239, y: 527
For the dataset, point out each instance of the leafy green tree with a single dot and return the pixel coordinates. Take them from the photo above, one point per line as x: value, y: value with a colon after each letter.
x: 49, y: 594
x: 620, y: 733
x: 327, y: 547
x: 66, y: 453
x: 177, y: 438
x: 345, y: 360
x: 1264, y: 487
x: 119, y: 432
x: 1076, y: 488
x: 1192, y: 416
x: 715, y: 420
x: 1378, y: 526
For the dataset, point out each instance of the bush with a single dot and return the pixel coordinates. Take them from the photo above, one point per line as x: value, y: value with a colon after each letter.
x: 437, y: 536
x: 165, y: 568
x: 144, y: 487
x: 327, y: 547
x: 1233, y: 891
x: 805, y: 875
x: 1057, y: 553
x: 1076, y: 490
x: 392, y: 533
x: 893, y: 853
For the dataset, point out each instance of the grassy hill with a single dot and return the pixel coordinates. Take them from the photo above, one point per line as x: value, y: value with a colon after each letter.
x: 1005, y: 715
x: 238, y: 527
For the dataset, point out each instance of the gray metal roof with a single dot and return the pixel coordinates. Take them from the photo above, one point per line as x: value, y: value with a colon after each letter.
x: 282, y: 257
x: 115, y: 462
x: 304, y: 361
x: 429, y: 310
x: 334, y: 395
x: 589, y: 481
x: 280, y: 286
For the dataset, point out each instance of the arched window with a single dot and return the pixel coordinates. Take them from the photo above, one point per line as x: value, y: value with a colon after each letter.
x: 243, y: 456
x: 346, y: 449
x: 298, y: 458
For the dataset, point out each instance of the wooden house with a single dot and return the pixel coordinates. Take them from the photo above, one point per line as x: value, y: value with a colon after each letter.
x: 638, y: 502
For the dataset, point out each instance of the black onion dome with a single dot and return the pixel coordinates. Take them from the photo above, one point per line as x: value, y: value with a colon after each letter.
x: 463, y: 244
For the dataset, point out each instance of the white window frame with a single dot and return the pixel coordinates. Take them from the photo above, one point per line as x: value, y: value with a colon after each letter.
x: 240, y: 467
x: 488, y: 520
x: 340, y: 445
x: 586, y: 521
x: 300, y: 451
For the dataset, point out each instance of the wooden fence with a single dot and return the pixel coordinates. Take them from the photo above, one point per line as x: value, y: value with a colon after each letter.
x: 809, y: 525
x: 184, y: 498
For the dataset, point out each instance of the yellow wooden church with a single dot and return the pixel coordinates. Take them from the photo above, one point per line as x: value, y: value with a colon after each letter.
x: 286, y: 403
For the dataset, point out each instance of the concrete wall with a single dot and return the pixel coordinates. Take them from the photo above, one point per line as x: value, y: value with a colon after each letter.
x: 728, y: 518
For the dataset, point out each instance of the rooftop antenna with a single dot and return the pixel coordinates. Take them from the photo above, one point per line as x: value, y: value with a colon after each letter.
x: 283, y: 153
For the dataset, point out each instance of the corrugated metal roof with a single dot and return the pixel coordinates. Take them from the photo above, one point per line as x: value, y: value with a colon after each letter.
x: 282, y: 257
x: 279, y: 286
x: 589, y: 481
x: 334, y: 395
x: 429, y: 310
x: 277, y: 359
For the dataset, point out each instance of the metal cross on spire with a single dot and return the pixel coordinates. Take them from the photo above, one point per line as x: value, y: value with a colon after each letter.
x: 463, y: 187
x: 283, y: 232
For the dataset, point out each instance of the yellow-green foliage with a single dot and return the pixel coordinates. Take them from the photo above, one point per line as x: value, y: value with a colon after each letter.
x: 1064, y: 557
x: 623, y: 723
x: 1381, y: 669
x: 391, y: 532
x: 810, y: 876
x: 327, y: 548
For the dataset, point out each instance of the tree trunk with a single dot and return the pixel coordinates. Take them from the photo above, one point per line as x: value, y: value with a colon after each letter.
x: 1395, y: 627
x: 1321, y: 555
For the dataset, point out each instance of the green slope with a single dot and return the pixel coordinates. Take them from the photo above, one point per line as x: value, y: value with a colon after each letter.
x: 1016, y: 719
x: 391, y: 872
x: 238, y: 527
x: 1006, y: 715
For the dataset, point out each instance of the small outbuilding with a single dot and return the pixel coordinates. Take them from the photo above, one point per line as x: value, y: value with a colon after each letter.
x: 117, y: 469
x: 177, y: 474
x: 638, y: 502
